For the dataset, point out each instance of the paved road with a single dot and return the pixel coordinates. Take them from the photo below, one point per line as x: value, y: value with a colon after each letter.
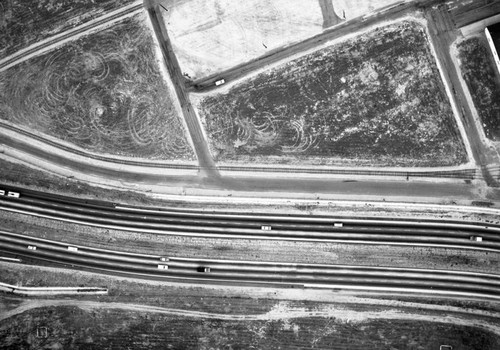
x: 144, y: 176
x: 263, y: 274
x: 467, y: 12
x: 443, y: 34
x: 387, y: 231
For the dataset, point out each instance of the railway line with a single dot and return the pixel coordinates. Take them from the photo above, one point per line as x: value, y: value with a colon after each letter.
x: 264, y: 226
x: 179, y: 269
x: 462, y: 174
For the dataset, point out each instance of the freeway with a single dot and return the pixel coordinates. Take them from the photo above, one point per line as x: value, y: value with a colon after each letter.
x: 188, y: 222
x: 254, y: 273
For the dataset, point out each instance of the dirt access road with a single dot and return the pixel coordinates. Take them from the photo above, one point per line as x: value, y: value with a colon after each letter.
x: 346, y: 28
x: 442, y: 31
x: 205, y: 160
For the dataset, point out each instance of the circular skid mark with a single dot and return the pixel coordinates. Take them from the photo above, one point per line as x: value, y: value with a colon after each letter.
x: 243, y: 131
x: 95, y: 63
x: 264, y: 123
x: 300, y: 140
x: 140, y: 122
x: 82, y: 93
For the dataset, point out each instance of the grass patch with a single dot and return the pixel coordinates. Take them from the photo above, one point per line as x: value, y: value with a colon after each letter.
x: 376, y: 99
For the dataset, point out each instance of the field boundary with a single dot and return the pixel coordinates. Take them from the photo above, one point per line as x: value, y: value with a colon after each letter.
x: 465, y: 173
x: 76, y: 150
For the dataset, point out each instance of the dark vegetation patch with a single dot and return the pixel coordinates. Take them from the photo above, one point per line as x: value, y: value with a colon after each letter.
x: 377, y: 99
x: 478, y: 69
x: 71, y: 327
x: 25, y: 22
x: 103, y: 92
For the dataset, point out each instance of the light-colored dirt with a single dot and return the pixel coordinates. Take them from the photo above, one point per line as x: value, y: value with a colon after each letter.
x: 210, y: 36
x: 356, y: 8
x: 282, y: 310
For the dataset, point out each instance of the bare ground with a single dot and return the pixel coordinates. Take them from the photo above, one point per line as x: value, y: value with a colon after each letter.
x: 86, y: 324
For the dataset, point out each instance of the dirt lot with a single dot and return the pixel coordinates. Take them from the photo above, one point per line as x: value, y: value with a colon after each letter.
x: 356, y: 8
x: 478, y: 69
x: 72, y: 327
x: 25, y: 22
x: 210, y: 36
x: 103, y: 93
x: 375, y: 100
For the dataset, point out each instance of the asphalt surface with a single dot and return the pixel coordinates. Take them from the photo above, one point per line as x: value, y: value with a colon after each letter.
x: 442, y: 33
x: 271, y: 274
x: 454, y: 234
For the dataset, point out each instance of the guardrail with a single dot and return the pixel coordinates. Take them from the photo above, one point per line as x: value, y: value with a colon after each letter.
x: 44, y: 291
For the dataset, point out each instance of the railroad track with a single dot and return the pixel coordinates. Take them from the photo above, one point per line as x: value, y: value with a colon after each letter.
x: 463, y: 174
x: 264, y: 274
x: 233, y: 225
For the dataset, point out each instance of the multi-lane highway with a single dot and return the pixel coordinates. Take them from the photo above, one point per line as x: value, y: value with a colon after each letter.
x: 233, y: 225
x: 254, y: 273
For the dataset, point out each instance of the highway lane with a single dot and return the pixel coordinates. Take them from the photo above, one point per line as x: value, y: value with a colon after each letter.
x: 452, y: 234
x: 179, y: 269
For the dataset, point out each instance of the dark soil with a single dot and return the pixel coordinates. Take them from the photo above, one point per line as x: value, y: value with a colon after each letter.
x: 103, y: 92
x: 70, y: 327
x: 377, y: 99
x: 25, y: 22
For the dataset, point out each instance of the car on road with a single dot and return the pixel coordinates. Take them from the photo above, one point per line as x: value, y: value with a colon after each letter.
x: 219, y: 82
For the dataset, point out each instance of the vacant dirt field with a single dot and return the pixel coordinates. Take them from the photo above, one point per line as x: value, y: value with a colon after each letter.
x: 478, y: 69
x: 24, y: 22
x: 374, y: 100
x: 103, y: 92
x: 356, y: 8
x: 63, y: 327
x: 210, y: 36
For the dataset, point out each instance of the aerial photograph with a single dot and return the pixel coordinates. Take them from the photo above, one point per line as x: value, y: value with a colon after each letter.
x: 258, y: 174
